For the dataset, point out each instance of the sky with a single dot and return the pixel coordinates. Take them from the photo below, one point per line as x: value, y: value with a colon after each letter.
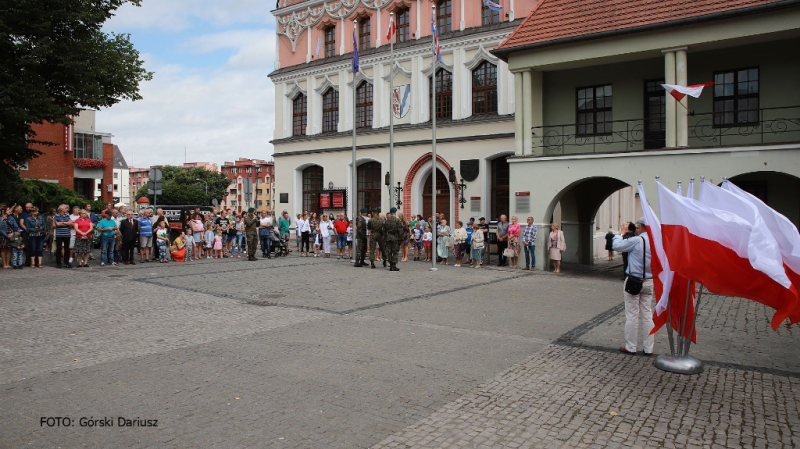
x: 210, y: 96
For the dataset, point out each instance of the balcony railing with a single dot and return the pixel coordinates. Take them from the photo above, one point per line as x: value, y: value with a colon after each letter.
x: 775, y: 125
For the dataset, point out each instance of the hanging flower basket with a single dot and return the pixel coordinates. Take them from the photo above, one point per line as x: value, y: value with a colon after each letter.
x: 90, y: 163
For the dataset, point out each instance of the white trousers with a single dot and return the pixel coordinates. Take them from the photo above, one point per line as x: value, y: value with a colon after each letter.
x: 636, y: 307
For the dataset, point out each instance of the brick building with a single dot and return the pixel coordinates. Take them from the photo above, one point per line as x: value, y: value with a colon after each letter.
x: 138, y: 178
x: 82, y: 159
x: 262, y: 174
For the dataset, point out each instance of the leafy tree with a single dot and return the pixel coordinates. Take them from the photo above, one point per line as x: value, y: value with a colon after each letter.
x: 55, y: 60
x: 181, y: 186
x: 45, y: 195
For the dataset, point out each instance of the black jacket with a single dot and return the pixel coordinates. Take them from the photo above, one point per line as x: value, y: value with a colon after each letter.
x: 129, y: 229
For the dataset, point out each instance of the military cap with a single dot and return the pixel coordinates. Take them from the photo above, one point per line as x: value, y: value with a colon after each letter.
x: 393, y: 210
x: 364, y: 210
x: 251, y: 210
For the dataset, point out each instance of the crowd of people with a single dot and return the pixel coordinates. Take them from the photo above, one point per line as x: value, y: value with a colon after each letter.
x: 123, y: 237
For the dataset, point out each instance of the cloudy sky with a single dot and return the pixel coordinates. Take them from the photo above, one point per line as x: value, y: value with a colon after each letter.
x: 210, y: 93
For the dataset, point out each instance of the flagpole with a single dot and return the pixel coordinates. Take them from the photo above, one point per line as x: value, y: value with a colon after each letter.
x: 696, y: 307
x: 354, y: 199
x: 391, y: 111
x: 433, y: 144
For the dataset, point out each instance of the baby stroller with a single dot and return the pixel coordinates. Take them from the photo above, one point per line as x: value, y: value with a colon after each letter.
x: 279, y: 246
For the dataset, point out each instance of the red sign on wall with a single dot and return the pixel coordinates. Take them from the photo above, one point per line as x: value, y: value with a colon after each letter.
x: 324, y: 200
x: 338, y: 200
x: 522, y: 194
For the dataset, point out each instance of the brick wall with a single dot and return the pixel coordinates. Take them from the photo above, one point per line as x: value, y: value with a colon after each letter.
x: 108, y: 172
x: 55, y: 163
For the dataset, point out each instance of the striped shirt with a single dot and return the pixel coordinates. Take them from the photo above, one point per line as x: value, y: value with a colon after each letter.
x: 145, y: 227
x: 62, y: 231
x: 529, y: 235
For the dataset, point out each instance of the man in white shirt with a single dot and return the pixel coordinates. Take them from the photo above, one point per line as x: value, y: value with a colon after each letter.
x: 638, y: 249
x: 74, y: 216
x: 264, y: 229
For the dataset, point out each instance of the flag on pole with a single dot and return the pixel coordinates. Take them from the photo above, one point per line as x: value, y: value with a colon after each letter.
x: 492, y: 5
x: 679, y: 92
x: 724, y: 252
x: 785, y: 233
x: 436, y: 50
x: 668, y: 288
x: 319, y: 45
x: 690, y: 191
x: 392, y: 29
x: 355, y: 51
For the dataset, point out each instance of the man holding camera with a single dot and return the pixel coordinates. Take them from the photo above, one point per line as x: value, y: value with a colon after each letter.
x: 638, y: 289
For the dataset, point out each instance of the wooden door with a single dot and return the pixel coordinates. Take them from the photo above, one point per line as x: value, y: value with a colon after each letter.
x: 442, y: 196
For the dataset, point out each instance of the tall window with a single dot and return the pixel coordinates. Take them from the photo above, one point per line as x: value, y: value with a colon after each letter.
x: 369, y: 185
x: 363, y: 34
x: 594, y: 110
x: 403, y: 24
x: 88, y: 146
x: 364, y: 105
x: 312, y: 184
x: 484, y: 89
x: 444, y: 94
x: 299, y: 115
x: 736, y: 97
x: 330, y: 110
x: 444, y: 15
x: 330, y: 41
x: 489, y: 16
x: 501, y: 198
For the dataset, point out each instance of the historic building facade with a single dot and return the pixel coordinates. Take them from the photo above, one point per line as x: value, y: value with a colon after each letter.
x: 252, y: 182
x: 315, y: 110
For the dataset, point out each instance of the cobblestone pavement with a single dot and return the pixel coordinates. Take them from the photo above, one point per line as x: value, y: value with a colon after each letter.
x: 310, y: 352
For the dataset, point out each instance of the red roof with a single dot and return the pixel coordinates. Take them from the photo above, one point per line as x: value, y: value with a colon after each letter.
x: 555, y: 20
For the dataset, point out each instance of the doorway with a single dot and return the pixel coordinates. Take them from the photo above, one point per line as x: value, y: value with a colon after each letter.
x: 442, y: 196
x: 655, y: 115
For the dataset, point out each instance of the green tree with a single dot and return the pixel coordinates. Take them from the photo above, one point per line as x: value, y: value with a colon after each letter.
x: 181, y: 186
x: 54, y: 60
x: 45, y: 195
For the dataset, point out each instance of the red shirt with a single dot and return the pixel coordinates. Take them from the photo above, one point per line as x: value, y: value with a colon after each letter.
x: 340, y: 226
x: 83, y: 224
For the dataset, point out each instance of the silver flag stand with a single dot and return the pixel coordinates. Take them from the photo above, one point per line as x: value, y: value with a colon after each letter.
x: 679, y: 361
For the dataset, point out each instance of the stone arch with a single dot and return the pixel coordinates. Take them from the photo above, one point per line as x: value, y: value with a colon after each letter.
x: 779, y: 190
x: 420, y: 167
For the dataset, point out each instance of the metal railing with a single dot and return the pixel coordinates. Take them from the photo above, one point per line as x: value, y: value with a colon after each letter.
x: 774, y: 125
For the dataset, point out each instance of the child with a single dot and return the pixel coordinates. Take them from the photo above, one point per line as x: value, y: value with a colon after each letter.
x: 197, y: 251
x: 18, y: 251
x: 416, y: 235
x: 350, y: 240
x: 188, y: 240
x: 209, y: 239
x: 316, y: 245
x: 427, y: 238
x: 218, y: 244
x: 162, y: 239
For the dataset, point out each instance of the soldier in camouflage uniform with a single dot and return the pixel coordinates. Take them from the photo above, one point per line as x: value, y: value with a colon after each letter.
x: 251, y: 232
x: 393, y: 229
x: 375, y: 227
x: 361, y: 238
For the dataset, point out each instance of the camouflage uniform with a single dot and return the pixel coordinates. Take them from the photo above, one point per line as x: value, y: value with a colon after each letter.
x: 251, y: 232
x: 375, y: 227
x: 361, y: 240
x: 393, y: 229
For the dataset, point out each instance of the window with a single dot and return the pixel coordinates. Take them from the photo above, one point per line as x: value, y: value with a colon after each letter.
x: 363, y: 34
x: 233, y: 191
x: 330, y: 110
x: 369, y: 185
x: 116, y: 175
x: 88, y: 146
x: 489, y: 16
x: 444, y: 16
x: 484, y: 89
x: 594, y: 111
x: 403, y: 24
x: 736, y: 97
x: 258, y: 169
x: 233, y: 202
x: 312, y: 184
x: 116, y: 187
x: 330, y: 41
x: 364, y: 105
x: 299, y: 116
x: 444, y: 94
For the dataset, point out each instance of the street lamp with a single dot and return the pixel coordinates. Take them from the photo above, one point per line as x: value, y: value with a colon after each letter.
x: 460, y: 186
x: 397, y: 191
x: 206, y: 183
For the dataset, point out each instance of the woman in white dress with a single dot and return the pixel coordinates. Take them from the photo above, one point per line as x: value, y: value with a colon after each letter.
x: 442, y: 241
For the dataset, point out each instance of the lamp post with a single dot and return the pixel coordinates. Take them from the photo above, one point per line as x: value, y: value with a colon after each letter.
x: 461, y: 198
x: 206, y: 183
x: 397, y: 191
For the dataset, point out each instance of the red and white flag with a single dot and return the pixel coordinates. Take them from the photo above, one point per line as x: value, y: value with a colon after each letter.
x: 724, y: 252
x: 392, y: 28
x: 785, y: 233
x: 668, y: 288
x: 679, y: 92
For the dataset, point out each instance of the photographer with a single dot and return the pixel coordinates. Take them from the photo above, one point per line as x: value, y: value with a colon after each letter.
x: 638, y: 289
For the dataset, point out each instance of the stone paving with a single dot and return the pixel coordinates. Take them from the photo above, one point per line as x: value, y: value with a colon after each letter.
x: 313, y: 353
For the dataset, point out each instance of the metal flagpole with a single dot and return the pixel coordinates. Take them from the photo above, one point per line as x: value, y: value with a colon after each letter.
x: 433, y: 147
x: 354, y: 195
x: 696, y: 307
x: 391, y: 112
x: 682, y: 336
x: 669, y: 330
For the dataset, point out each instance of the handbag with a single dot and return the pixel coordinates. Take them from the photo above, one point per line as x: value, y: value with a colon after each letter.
x: 508, y: 252
x: 477, y: 245
x: 633, y: 285
x: 449, y: 243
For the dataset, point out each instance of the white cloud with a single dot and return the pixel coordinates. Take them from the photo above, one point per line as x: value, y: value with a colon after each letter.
x: 175, y: 15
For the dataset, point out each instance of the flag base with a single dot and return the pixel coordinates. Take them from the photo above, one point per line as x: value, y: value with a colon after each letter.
x: 679, y: 364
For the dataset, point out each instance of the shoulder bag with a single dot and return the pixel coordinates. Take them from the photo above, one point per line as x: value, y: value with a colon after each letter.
x: 633, y: 285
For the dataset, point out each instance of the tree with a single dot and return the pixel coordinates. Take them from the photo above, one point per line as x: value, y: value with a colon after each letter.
x: 54, y: 61
x: 181, y: 186
x: 45, y: 195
